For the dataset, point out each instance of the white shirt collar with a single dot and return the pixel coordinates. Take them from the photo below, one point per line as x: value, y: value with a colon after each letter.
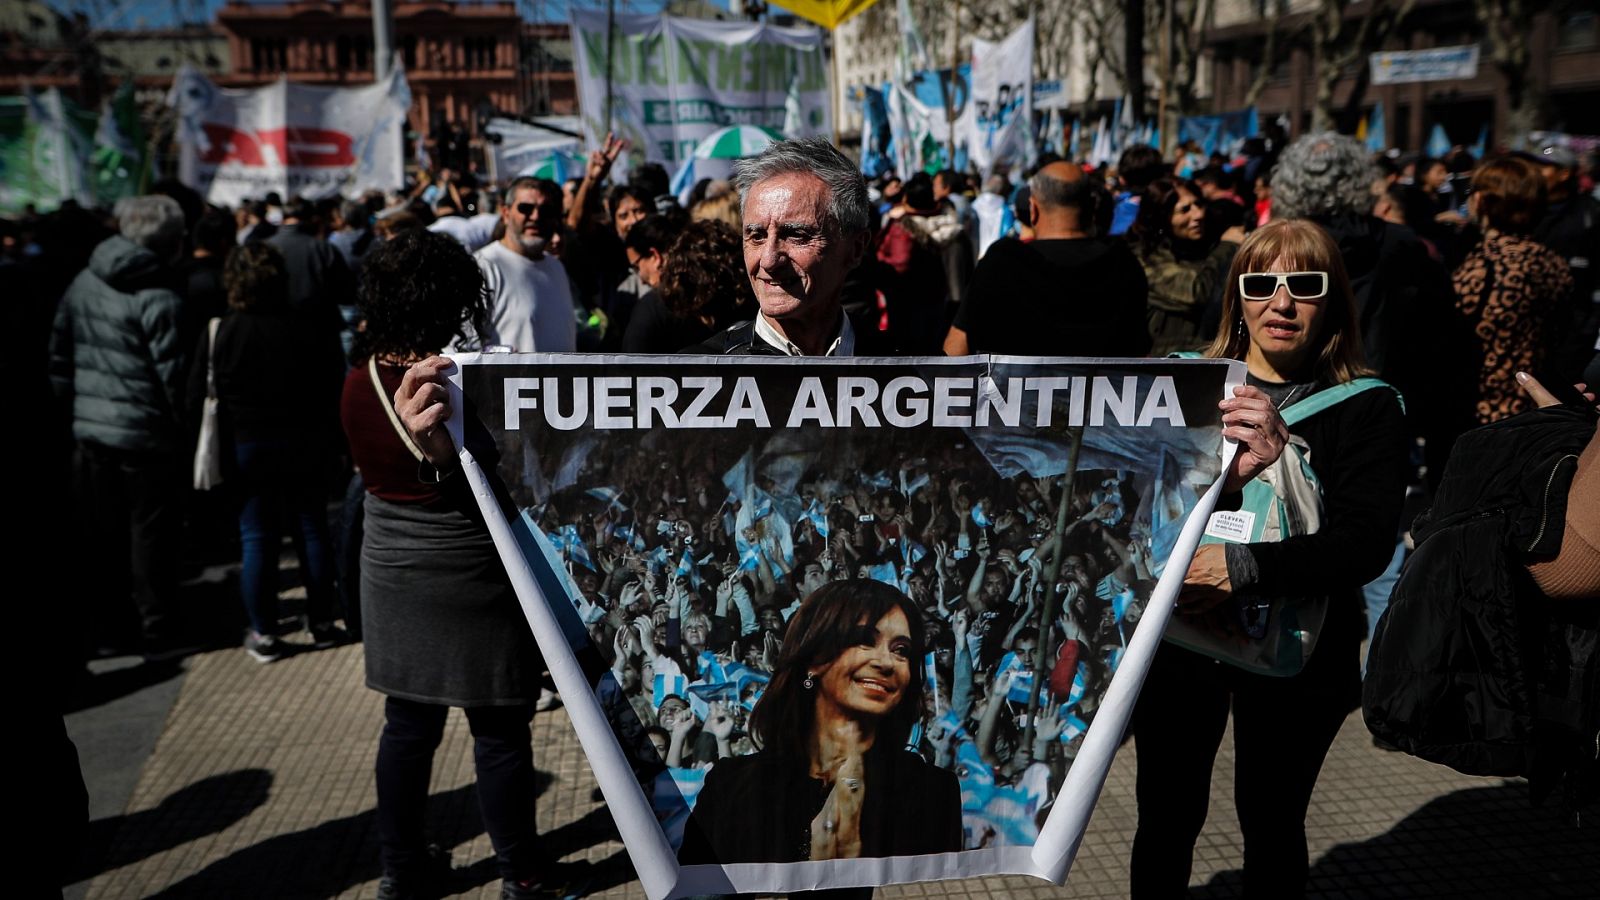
x: 844, y: 343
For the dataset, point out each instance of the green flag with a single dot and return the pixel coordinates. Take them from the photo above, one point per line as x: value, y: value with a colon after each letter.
x: 119, y: 165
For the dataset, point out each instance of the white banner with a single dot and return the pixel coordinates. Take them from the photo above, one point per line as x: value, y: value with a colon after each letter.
x: 1436, y: 64
x: 294, y: 139
x: 674, y: 81
x: 528, y: 149
x: 998, y: 123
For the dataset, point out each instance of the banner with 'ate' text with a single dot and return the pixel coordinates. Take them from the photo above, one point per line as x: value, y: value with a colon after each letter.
x: 292, y: 139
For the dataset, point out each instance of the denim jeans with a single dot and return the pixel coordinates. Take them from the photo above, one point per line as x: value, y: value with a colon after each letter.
x: 1376, y: 593
x: 280, y: 480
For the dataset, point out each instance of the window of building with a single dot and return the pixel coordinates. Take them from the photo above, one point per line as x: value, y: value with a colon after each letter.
x: 269, y: 54
x: 1579, y: 31
x: 408, y: 51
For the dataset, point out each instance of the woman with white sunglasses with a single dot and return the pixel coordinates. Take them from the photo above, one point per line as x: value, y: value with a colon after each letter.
x: 1288, y: 313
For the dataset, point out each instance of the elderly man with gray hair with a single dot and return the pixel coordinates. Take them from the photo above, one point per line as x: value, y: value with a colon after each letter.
x: 117, y: 361
x: 808, y: 223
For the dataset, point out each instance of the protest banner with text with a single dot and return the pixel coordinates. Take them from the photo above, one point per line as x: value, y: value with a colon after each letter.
x: 292, y: 139
x: 968, y: 561
x: 673, y: 81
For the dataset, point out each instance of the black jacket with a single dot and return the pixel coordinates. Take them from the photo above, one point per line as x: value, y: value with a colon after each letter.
x: 1472, y: 666
x: 741, y: 340
x: 758, y: 809
x: 1411, y: 333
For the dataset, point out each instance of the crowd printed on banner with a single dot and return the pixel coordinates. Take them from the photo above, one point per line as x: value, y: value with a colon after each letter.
x: 683, y: 549
x: 622, y: 402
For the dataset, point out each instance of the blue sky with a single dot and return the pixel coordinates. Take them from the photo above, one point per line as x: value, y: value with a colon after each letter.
x: 122, y: 14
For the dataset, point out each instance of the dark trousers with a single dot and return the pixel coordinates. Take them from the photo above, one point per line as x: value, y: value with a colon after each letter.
x: 1282, y: 729
x: 131, y: 506
x: 503, y: 753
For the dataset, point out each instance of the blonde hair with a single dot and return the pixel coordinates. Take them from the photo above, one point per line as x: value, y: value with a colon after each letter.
x: 1306, y: 246
x: 719, y: 208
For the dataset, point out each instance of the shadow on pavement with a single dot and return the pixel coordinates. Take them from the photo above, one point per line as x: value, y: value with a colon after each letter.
x: 1484, y: 843
x: 596, y: 827
x: 100, y: 688
x: 205, y: 807
x: 337, y: 855
x: 325, y: 860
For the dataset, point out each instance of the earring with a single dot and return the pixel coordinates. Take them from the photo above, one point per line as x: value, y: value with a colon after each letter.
x: 1240, y: 330
x: 810, y: 682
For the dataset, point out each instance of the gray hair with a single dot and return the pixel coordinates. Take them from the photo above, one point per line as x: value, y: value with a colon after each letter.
x: 153, y: 221
x: 1057, y: 193
x: 546, y: 188
x: 849, y: 207
x: 354, y: 213
x: 1322, y: 174
x: 996, y: 184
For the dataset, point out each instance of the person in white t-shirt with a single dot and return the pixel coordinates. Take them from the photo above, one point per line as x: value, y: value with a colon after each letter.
x: 530, y: 297
x: 474, y: 232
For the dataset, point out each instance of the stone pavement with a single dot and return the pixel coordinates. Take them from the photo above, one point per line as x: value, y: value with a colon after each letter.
x: 260, y: 785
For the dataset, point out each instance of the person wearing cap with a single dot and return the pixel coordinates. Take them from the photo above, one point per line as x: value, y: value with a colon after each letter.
x: 1570, y: 227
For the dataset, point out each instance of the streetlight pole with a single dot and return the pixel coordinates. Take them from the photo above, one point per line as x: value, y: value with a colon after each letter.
x: 382, y: 40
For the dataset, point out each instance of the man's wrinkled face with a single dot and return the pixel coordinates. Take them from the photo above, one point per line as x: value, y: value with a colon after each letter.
x: 796, y: 260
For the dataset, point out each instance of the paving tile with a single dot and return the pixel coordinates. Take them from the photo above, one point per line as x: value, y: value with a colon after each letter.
x: 261, y: 785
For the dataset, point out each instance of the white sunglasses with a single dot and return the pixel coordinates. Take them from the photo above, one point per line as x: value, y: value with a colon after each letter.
x: 1301, y: 285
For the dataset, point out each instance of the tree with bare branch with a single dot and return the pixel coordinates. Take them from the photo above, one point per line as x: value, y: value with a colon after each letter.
x: 1340, y: 42
x: 1508, y: 24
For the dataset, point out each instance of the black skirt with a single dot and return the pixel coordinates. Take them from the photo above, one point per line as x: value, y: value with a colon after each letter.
x: 441, y: 622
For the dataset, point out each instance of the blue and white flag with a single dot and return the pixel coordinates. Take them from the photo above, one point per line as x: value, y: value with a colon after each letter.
x: 669, y: 686
x: 817, y: 516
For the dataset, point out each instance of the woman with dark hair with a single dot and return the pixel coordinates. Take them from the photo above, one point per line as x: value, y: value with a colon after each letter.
x: 700, y: 289
x: 1183, y: 269
x: 911, y: 273
x: 833, y: 778
x: 1288, y: 313
x: 1509, y: 283
x: 281, y: 423
x: 441, y: 623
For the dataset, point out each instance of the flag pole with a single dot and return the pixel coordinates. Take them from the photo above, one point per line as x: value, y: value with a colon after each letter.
x: 950, y: 87
x: 838, y: 89
x: 611, y: 30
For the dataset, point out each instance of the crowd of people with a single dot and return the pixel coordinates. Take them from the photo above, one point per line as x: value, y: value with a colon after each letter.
x: 1446, y: 278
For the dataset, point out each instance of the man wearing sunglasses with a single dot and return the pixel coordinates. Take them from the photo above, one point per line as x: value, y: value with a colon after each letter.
x: 530, y: 296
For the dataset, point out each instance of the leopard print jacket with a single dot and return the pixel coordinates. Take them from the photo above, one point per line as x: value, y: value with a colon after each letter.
x: 1506, y: 287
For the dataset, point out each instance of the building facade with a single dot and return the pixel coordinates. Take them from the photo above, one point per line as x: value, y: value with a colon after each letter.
x: 1564, y: 63
x: 465, y: 62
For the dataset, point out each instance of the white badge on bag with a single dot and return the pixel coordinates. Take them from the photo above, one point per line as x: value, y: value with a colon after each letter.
x: 1231, y: 525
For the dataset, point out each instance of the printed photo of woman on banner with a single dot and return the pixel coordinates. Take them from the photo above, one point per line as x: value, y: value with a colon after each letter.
x: 856, y: 618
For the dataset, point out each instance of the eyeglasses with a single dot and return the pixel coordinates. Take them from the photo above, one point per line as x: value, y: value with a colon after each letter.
x: 527, y: 209
x: 1301, y: 285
